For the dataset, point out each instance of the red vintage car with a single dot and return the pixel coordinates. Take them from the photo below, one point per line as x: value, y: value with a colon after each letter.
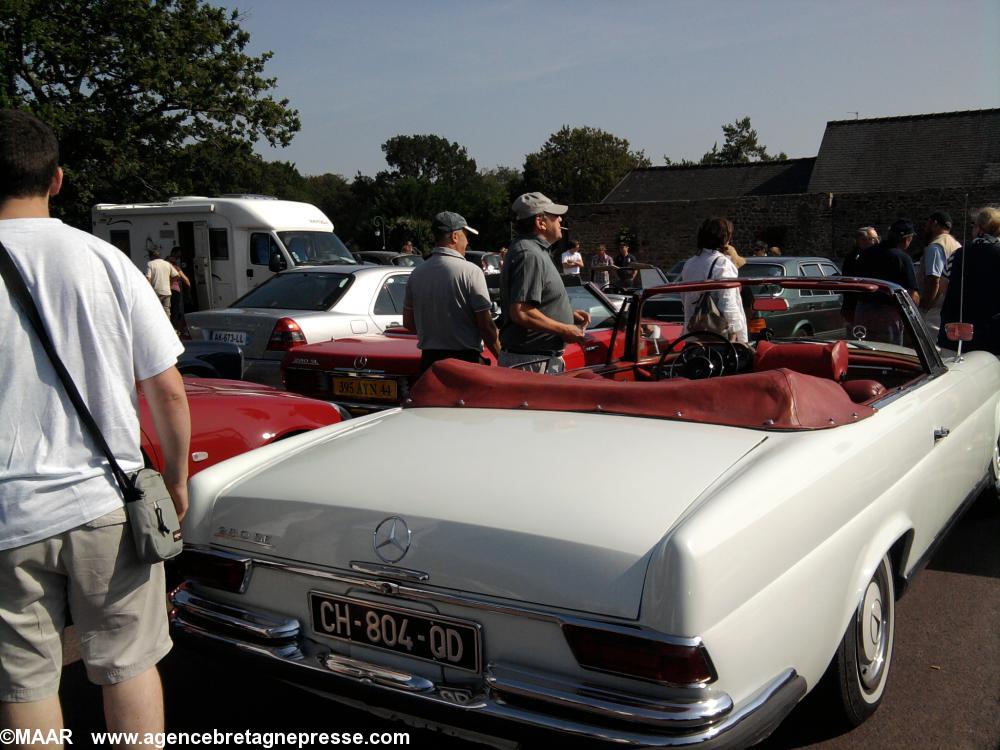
x: 366, y: 373
x: 229, y: 417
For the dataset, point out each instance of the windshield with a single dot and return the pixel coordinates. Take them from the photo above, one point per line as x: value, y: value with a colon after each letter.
x: 581, y: 298
x: 307, y: 247
x: 298, y: 291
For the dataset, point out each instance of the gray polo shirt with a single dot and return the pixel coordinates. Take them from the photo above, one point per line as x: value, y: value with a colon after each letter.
x: 445, y: 294
x: 529, y: 275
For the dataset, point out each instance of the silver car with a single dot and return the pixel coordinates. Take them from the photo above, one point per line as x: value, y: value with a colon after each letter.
x: 304, y: 305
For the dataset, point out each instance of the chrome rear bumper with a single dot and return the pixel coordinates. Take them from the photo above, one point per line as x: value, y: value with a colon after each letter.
x: 506, y: 699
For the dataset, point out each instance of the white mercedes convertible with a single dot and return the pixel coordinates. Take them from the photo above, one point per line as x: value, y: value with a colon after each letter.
x: 480, y: 559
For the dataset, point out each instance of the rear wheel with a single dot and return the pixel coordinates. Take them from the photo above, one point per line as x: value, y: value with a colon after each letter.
x: 861, y: 666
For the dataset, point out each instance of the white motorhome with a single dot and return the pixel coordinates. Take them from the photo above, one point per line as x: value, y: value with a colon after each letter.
x: 228, y: 245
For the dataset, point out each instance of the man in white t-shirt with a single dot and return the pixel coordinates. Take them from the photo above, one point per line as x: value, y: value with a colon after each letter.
x: 64, y: 541
x: 160, y: 273
x: 572, y: 260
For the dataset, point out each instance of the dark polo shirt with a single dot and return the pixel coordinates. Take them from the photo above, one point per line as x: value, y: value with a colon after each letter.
x: 887, y: 264
x: 529, y: 275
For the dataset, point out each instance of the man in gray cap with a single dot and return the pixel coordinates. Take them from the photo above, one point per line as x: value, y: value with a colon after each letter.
x: 447, y: 302
x: 538, y: 317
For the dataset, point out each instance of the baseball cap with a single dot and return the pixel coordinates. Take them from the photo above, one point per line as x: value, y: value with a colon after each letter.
x: 941, y: 217
x: 449, y: 221
x: 532, y: 204
x: 902, y: 227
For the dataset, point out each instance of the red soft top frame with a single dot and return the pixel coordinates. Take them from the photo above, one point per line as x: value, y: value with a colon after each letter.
x: 772, y: 400
x: 827, y: 283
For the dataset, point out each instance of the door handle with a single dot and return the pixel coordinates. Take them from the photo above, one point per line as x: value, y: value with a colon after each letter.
x: 941, y: 433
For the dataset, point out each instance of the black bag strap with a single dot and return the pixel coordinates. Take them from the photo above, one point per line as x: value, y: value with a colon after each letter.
x: 711, y: 270
x: 19, y: 291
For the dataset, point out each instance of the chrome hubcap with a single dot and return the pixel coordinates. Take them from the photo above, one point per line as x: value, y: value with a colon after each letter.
x: 873, y: 632
x: 996, y: 468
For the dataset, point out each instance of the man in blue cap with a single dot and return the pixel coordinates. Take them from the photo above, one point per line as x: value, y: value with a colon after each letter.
x: 889, y: 260
x: 447, y: 301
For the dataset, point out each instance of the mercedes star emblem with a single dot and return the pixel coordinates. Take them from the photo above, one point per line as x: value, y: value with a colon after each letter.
x: 391, y: 539
x: 360, y: 363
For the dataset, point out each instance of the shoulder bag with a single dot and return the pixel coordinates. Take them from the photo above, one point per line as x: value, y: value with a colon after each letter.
x: 707, y: 316
x: 151, y: 515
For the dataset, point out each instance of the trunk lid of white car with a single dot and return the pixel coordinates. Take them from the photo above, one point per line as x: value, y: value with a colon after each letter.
x: 556, y: 509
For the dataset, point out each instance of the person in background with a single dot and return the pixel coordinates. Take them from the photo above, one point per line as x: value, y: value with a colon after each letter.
x: 759, y: 249
x: 538, y: 314
x: 160, y: 274
x: 864, y: 238
x: 408, y: 249
x: 976, y: 269
x: 938, y: 251
x: 714, y: 262
x: 889, y: 261
x: 572, y: 260
x: 447, y: 302
x: 64, y: 541
x: 623, y: 262
x: 178, y: 284
x: 601, y: 260
x: 774, y: 250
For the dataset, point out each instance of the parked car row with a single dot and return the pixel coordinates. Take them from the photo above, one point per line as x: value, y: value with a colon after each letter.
x: 778, y: 497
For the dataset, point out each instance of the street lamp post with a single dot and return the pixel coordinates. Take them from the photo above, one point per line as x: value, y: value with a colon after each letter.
x: 379, y: 223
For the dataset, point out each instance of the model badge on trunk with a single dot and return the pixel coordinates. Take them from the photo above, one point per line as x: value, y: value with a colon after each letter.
x: 391, y: 539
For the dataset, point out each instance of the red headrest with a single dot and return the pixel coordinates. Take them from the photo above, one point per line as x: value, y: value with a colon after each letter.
x: 823, y: 360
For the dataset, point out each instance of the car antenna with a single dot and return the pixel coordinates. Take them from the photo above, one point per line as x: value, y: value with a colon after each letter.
x: 961, y: 278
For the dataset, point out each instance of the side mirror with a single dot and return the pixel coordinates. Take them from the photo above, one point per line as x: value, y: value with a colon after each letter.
x: 958, y: 331
x: 277, y: 263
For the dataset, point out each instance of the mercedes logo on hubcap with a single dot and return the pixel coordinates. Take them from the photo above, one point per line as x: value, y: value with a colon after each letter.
x: 391, y: 539
x: 360, y: 363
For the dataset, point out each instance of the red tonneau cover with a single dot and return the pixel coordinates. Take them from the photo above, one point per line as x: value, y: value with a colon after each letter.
x: 772, y: 400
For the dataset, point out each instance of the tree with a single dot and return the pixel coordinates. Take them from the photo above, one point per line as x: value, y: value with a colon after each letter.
x: 740, y: 146
x: 129, y: 87
x: 428, y: 157
x: 580, y: 165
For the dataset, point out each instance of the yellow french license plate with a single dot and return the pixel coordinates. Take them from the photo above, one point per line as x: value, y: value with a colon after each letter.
x: 381, y: 390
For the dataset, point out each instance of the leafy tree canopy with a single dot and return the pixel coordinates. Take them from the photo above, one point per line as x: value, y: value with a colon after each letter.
x: 580, y: 165
x: 131, y: 87
x: 428, y: 158
x: 740, y: 147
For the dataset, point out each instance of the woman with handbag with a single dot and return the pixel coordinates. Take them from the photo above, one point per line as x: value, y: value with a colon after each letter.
x: 719, y: 311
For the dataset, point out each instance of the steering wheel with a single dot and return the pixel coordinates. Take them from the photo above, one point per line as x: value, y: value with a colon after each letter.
x: 699, y: 361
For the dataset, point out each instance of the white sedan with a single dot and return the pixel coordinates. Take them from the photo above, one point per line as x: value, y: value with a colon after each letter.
x: 766, y: 506
x: 304, y: 305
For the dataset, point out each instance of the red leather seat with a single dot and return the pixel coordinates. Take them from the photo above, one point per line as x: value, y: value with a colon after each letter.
x: 822, y: 360
x: 861, y: 391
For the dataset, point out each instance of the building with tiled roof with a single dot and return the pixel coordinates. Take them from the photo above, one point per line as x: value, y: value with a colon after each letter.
x: 950, y: 149
x: 713, y: 181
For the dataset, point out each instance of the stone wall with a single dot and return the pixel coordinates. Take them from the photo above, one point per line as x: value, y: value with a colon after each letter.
x: 801, y: 224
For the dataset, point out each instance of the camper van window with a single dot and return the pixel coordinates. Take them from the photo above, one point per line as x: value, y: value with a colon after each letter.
x: 307, y: 247
x: 120, y: 239
x: 262, y: 246
x: 218, y: 244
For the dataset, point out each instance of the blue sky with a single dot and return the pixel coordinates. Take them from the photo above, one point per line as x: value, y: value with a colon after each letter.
x: 500, y: 76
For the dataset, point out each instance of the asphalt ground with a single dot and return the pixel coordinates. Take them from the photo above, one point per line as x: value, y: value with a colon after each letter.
x: 943, y: 692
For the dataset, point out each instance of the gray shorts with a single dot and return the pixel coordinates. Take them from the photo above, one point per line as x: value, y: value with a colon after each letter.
x: 532, y: 362
x: 118, y: 606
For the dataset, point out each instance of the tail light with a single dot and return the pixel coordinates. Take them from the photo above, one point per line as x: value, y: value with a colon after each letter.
x: 286, y: 335
x: 756, y: 325
x: 220, y: 570
x: 636, y: 656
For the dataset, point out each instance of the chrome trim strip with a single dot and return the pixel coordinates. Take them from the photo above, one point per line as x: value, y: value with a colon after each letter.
x: 254, y: 624
x: 472, y: 602
x: 390, y: 571
x: 607, y: 703
x: 739, y: 728
x: 361, y: 670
